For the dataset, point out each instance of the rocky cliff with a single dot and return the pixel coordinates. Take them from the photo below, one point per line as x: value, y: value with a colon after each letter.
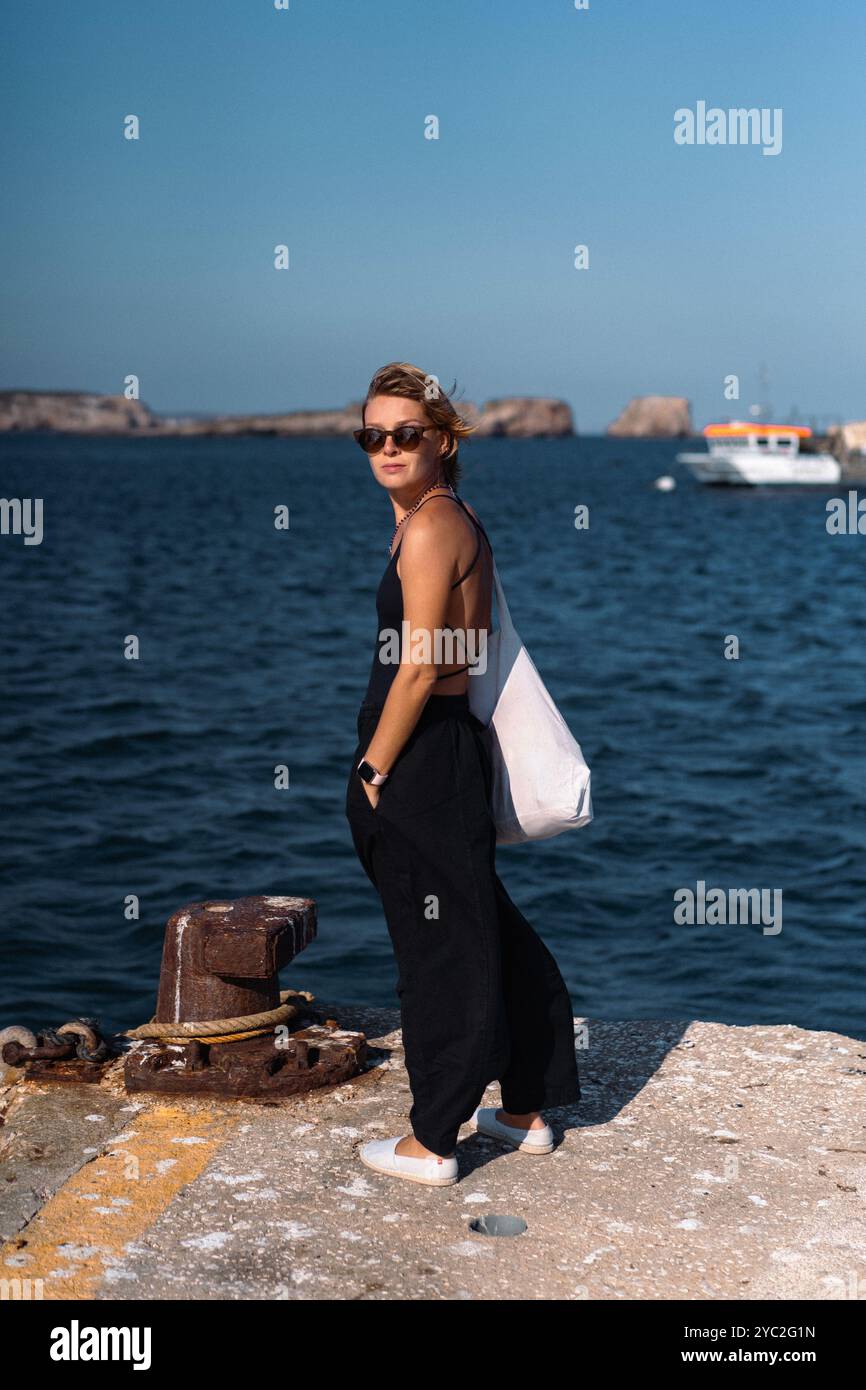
x: 653, y: 417
x: 74, y: 412
x: 79, y: 412
x: 522, y: 417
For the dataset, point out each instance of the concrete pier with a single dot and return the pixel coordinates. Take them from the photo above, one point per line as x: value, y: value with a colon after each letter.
x: 703, y: 1162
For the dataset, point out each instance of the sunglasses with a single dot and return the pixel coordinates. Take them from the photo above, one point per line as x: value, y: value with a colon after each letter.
x: 406, y: 437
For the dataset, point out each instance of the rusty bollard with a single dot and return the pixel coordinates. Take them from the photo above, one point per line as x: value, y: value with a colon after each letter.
x: 220, y: 961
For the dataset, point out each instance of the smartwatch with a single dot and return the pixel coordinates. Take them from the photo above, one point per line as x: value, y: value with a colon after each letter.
x: 368, y: 773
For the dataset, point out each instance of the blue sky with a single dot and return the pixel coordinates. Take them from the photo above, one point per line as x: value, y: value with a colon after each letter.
x: 306, y: 127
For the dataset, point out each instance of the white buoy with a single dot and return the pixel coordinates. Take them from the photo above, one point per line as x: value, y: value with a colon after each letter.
x: 665, y: 483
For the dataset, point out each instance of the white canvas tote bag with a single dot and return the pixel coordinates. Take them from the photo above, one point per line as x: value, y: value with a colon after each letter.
x: 541, y: 783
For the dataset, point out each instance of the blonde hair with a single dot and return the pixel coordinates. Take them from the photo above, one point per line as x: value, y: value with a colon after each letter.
x: 403, y: 379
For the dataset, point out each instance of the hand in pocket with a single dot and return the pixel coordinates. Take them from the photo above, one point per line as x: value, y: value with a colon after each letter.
x: 371, y: 793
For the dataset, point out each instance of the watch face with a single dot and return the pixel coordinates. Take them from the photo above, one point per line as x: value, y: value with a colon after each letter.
x: 366, y: 771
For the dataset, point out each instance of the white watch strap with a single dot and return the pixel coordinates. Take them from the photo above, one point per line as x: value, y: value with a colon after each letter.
x: 378, y: 777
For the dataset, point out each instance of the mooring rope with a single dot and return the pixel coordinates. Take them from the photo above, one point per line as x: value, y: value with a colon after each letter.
x: 215, y: 1029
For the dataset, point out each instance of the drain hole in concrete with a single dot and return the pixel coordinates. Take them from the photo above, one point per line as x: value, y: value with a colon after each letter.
x: 498, y: 1225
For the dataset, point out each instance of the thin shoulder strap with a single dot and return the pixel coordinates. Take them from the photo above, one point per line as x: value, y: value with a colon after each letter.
x: 475, y: 522
x: 459, y: 500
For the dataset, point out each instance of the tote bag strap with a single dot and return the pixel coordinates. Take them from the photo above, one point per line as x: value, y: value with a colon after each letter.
x: 505, y: 623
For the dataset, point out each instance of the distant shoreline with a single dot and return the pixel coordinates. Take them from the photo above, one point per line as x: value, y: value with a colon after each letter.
x: 89, y: 413
x: 93, y: 415
x: 510, y: 417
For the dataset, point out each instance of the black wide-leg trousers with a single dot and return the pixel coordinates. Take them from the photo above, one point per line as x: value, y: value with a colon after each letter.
x: 481, y: 996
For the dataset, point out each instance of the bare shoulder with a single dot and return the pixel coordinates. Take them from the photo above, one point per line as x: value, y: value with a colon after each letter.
x: 439, y: 519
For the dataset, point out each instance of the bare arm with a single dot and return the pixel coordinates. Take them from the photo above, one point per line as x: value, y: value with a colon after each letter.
x: 428, y: 556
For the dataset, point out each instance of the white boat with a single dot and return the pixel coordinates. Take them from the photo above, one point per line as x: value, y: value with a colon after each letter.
x: 758, y: 454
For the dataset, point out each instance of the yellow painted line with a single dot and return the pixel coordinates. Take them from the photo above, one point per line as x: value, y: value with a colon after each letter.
x: 81, y: 1231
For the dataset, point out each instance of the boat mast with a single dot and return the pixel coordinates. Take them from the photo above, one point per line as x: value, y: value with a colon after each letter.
x: 762, y: 412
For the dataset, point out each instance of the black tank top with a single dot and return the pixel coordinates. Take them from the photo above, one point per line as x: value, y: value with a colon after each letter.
x: 389, y: 612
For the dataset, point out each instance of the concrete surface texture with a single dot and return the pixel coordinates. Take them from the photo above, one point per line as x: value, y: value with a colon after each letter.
x: 703, y: 1162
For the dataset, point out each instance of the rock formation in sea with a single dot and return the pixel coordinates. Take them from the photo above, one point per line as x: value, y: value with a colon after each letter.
x: 653, y: 417
x: 848, y: 442
x: 523, y: 417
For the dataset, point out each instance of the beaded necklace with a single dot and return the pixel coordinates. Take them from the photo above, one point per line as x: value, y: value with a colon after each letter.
x: 414, y: 508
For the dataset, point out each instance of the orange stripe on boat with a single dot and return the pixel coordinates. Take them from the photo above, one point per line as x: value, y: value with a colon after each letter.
x: 739, y: 429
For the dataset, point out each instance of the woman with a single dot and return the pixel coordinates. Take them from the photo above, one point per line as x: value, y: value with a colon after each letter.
x: 481, y: 997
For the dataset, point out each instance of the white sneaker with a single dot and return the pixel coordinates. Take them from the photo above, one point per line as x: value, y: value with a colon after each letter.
x: 379, y: 1155
x: 530, y: 1141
